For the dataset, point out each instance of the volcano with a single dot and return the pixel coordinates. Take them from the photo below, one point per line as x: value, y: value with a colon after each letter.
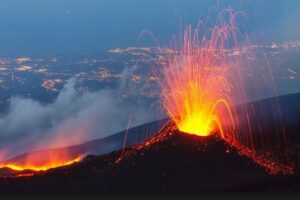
x: 168, y: 161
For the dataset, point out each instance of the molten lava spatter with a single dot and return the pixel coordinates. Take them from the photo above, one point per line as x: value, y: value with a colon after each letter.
x: 202, y: 85
x: 195, y: 87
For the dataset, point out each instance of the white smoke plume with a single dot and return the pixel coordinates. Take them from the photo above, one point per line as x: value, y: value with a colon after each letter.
x: 73, y: 118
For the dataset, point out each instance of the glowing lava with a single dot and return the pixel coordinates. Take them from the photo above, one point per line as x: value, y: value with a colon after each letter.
x: 32, y: 166
x: 196, y: 88
x: 41, y: 161
x: 195, y: 124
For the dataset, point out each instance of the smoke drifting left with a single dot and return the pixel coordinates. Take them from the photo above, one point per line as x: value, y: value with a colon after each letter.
x: 72, y: 118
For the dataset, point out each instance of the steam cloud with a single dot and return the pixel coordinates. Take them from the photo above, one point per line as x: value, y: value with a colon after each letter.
x: 72, y: 118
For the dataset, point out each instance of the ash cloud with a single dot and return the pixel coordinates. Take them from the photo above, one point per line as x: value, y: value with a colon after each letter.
x: 74, y: 117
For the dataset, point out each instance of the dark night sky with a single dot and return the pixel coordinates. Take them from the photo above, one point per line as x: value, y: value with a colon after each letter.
x: 29, y: 27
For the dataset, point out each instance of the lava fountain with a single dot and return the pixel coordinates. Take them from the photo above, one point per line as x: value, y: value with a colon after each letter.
x: 196, y: 89
x: 203, y: 83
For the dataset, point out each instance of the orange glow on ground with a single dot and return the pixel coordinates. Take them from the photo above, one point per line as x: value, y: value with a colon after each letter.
x: 32, y: 166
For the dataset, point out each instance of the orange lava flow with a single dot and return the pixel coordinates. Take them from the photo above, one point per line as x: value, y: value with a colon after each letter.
x: 272, y: 166
x: 202, y: 86
x: 41, y: 162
